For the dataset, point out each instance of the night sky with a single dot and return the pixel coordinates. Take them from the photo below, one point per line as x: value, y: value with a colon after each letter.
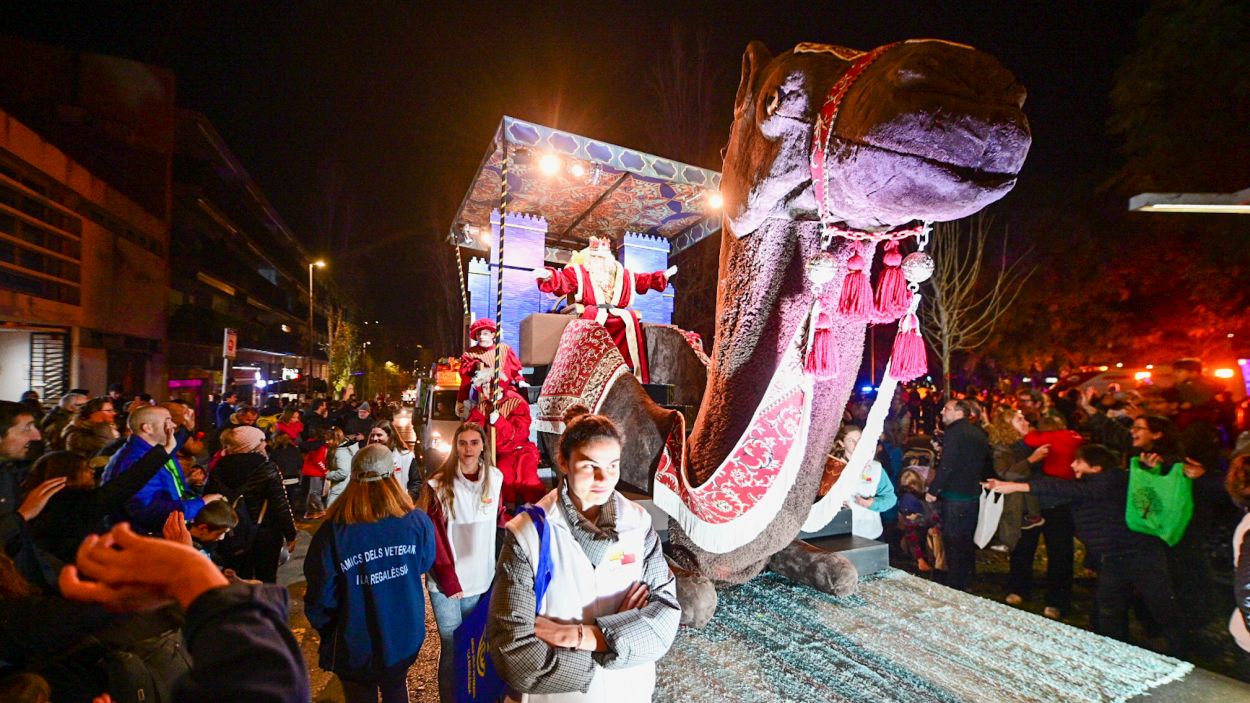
x: 406, y: 98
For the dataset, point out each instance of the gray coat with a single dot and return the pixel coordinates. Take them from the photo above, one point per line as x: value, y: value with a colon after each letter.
x: 338, y: 474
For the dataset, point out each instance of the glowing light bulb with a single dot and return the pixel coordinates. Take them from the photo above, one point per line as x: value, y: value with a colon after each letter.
x: 549, y: 164
x: 577, y: 170
x: 715, y: 201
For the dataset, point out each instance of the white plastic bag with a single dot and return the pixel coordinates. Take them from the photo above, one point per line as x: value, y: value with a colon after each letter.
x: 988, y: 514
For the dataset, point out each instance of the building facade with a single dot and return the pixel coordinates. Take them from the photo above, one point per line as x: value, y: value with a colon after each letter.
x: 83, y: 276
x: 236, y: 265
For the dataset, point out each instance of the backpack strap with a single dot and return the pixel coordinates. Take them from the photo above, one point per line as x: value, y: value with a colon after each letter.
x: 542, y: 573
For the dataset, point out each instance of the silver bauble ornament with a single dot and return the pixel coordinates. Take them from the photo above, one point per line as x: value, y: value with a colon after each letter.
x: 821, y: 268
x: 917, y: 267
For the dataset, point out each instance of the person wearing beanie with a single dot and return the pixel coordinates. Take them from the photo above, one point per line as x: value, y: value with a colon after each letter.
x: 364, y: 569
x: 357, y: 425
x: 250, y: 481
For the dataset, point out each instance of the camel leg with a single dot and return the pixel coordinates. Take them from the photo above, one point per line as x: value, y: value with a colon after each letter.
x: 696, y: 594
x: 812, y: 566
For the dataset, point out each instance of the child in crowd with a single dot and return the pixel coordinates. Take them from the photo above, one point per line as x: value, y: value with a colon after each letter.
x: 918, y: 520
x: 1052, y: 430
x: 1130, y: 561
x: 211, y: 525
x: 871, y: 494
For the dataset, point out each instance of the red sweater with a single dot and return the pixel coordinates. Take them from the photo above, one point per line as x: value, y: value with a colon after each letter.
x: 315, y: 462
x: 1063, y: 446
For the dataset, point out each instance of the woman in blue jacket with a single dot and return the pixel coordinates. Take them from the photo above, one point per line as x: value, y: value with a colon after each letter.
x: 364, y: 571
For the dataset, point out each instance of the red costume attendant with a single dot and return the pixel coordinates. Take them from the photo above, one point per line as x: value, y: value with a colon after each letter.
x: 602, y: 290
x: 483, y: 355
x: 515, y: 455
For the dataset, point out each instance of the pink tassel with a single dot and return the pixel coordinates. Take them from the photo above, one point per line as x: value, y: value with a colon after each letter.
x: 822, y: 361
x: 909, y: 360
x: 892, y: 297
x: 856, y: 300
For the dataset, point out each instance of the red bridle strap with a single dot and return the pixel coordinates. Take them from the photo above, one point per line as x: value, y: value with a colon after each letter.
x: 828, y: 117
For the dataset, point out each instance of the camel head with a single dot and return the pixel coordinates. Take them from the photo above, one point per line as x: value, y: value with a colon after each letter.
x: 872, y: 141
x: 925, y: 130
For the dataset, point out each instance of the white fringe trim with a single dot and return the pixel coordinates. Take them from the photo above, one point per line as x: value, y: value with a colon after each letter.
x: 824, y: 510
x: 719, y: 538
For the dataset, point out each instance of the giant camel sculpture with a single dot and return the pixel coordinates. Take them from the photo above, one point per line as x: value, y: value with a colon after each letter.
x: 854, y: 146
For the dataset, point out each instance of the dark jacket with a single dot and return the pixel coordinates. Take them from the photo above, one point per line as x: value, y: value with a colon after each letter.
x: 1098, y: 502
x: 364, y: 591
x: 37, y: 630
x: 353, y: 424
x: 967, y: 460
x: 289, y: 460
x: 73, y: 514
x: 15, y: 537
x: 258, y: 480
x: 53, y: 427
x: 242, y: 648
x: 313, y: 425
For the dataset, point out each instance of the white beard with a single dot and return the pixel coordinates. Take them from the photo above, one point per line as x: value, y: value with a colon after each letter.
x: 603, y: 271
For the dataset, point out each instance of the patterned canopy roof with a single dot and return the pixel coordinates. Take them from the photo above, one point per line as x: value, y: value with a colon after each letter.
x: 599, y: 187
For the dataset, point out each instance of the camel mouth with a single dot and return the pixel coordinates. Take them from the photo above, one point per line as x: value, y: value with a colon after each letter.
x: 989, y: 180
x: 890, y: 186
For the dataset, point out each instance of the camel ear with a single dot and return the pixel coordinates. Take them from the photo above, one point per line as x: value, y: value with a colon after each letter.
x: 753, y: 61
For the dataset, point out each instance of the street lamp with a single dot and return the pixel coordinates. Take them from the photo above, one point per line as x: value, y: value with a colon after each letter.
x: 311, y: 334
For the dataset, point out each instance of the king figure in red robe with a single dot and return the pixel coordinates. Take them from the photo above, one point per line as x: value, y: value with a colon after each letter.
x: 601, y: 289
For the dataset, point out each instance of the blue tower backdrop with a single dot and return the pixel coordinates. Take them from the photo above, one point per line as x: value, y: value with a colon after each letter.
x: 643, y: 253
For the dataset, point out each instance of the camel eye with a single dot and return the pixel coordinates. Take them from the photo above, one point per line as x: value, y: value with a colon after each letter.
x: 774, y: 102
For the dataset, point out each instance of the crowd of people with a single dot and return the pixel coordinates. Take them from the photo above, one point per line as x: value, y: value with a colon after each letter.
x: 1063, y: 463
x: 141, y: 547
x: 141, y: 551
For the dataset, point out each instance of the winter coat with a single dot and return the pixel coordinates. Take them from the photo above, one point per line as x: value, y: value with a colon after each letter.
x: 73, y: 514
x: 53, y: 427
x: 258, y: 480
x: 1011, y: 463
x: 87, y: 439
x: 243, y: 648
x: 1098, y: 502
x: 966, y: 461
x: 289, y: 459
x: 166, y: 492
x: 315, y: 460
x: 341, y: 471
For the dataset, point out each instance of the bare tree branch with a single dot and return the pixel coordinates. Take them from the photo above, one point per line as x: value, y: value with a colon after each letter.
x: 968, y: 298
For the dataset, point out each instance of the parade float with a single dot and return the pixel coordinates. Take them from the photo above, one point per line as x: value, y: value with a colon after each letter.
x: 838, y: 161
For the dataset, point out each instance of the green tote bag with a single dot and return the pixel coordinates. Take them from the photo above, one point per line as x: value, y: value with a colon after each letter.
x: 1159, y: 504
